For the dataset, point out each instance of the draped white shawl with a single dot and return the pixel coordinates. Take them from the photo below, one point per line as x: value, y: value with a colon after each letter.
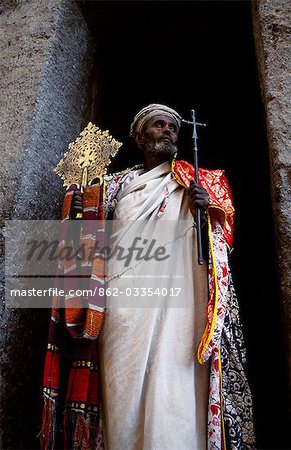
x: 155, y: 392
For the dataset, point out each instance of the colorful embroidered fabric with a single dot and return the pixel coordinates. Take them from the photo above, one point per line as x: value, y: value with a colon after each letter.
x: 230, y: 417
x: 236, y: 394
x: 220, y: 216
x: 215, y: 182
x: 218, y: 234
x: 81, y: 318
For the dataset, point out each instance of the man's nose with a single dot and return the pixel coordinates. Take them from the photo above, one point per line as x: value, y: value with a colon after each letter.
x: 167, y: 129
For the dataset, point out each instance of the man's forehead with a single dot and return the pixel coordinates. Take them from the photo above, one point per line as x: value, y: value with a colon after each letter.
x: 162, y: 118
x: 152, y: 111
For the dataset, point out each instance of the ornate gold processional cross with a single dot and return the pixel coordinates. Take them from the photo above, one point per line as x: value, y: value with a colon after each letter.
x: 87, y: 157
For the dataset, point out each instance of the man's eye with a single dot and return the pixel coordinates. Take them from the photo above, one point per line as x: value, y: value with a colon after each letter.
x: 173, y: 129
x: 159, y: 125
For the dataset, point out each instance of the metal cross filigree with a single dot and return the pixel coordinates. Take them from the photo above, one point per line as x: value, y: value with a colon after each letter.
x: 87, y: 157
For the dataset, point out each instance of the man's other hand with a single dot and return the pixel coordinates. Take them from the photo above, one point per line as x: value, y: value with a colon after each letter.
x: 77, y: 204
x: 199, y: 197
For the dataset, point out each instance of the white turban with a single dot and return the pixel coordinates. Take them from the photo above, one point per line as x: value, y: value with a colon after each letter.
x: 150, y: 111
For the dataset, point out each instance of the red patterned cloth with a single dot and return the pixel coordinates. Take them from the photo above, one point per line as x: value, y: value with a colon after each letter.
x: 220, y: 212
x: 226, y: 399
x: 215, y: 182
x: 81, y: 318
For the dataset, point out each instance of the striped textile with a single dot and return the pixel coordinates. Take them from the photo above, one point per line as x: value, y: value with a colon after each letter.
x: 80, y: 317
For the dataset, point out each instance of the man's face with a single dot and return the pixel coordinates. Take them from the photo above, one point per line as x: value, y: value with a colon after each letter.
x: 160, y: 134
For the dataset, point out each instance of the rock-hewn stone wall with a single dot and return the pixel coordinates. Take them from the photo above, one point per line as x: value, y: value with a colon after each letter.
x: 46, y: 57
x: 272, y: 31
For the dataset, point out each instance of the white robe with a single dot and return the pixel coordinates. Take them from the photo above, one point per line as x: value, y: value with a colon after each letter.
x: 154, y: 390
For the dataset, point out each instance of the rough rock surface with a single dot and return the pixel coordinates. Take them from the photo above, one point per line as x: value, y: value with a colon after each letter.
x: 272, y: 31
x: 46, y: 57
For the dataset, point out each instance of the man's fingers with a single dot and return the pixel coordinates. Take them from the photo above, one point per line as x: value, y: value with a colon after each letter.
x: 200, y: 201
x: 78, y: 198
x: 197, y: 188
x: 201, y: 204
x: 199, y: 196
x: 75, y: 203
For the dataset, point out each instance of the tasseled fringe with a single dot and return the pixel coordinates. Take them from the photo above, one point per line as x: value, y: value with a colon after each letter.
x: 82, y: 431
x: 48, y: 425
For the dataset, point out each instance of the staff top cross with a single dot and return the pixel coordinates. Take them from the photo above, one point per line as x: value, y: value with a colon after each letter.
x: 194, y: 123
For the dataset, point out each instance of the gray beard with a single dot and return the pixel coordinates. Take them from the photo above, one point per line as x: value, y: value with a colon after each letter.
x: 161, y: 148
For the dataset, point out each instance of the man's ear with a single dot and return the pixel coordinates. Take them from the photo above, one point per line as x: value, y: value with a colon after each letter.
x: 139, y: 138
